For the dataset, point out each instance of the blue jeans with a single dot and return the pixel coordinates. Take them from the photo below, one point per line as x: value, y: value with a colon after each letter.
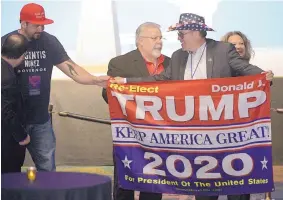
x: 42, y: 146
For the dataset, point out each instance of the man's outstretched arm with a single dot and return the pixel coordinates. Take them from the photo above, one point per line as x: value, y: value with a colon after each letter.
x: 80, y: 75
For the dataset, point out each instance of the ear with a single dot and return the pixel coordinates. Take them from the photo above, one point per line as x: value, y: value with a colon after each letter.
x: 23, y: 24
x: 140, y: 41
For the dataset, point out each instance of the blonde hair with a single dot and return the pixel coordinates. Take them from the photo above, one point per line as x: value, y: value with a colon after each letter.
x: 249, y: 50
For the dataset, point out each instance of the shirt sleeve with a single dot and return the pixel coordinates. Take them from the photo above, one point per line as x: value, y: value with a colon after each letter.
x: 58, y: 52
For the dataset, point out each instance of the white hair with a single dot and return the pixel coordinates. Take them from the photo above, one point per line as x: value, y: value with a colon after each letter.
x: 145, y: 25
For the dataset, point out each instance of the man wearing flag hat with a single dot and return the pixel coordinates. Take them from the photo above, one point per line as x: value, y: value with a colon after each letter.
x: 201, y: 58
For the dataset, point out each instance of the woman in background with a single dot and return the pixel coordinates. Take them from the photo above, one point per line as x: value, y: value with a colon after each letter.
x: 241, y: 43
x: 244, y: 48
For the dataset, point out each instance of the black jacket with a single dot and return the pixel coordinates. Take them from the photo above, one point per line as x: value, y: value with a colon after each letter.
x: 12, y: 120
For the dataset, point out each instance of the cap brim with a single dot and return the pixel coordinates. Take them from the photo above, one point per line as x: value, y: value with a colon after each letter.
x: 43, y: 22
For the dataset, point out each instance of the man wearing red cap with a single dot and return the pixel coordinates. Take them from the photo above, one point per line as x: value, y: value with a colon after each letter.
x: 43, y: 53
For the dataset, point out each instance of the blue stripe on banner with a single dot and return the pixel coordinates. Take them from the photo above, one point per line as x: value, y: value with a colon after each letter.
x: 201, y: 125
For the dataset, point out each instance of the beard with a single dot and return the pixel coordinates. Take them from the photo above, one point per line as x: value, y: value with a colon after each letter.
x: 156, y: 53
x: 36, y: 36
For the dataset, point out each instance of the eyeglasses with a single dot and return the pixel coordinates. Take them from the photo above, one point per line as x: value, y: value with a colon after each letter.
x: 181, y: 35
x: 154, y: 38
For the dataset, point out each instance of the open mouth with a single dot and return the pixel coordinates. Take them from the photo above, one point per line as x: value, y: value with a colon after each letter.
x: 240, y: 52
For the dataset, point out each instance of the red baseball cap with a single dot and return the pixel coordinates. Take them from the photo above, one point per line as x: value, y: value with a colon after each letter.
x: 34, y: 14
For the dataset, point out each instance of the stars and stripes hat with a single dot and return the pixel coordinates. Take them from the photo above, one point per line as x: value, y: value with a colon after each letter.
x: 190, y: 21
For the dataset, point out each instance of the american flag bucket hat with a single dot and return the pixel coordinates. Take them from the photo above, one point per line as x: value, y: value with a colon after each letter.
x: 190, y: 21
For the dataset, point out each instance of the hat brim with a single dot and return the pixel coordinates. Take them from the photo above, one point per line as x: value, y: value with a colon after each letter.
x: 192, y: 27
x: 43, y: 22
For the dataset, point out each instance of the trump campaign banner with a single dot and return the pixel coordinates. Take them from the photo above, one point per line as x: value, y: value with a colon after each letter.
x: 198, y: 137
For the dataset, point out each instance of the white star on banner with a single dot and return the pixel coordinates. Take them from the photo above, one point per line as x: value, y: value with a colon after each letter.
x: 264, y: 162
x: 127, y: 162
